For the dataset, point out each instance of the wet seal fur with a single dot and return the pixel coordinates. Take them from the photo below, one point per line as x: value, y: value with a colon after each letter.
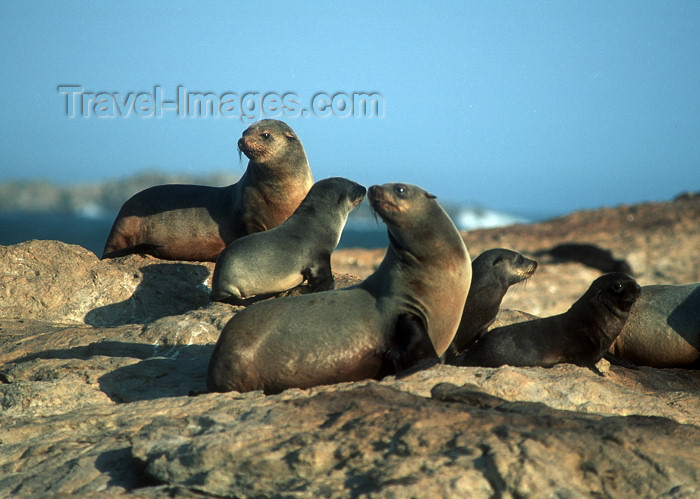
x: 579, y: 336
x: 493, y: 272
x: 663, y: 328
x: 406, y: 311
x: 196, y: 222
x: 281, y: 258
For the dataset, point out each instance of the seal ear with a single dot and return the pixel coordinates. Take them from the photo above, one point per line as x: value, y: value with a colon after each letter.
x: 290, y: 135
x: 430, y: 196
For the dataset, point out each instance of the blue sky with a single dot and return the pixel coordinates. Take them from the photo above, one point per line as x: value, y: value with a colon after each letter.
x: 537, y: 108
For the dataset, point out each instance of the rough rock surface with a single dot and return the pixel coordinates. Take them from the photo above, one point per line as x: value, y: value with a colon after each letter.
x: 103, y: 365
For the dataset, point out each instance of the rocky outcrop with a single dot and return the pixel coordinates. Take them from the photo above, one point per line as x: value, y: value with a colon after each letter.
x: 57, y: 282
x: 102, y: 381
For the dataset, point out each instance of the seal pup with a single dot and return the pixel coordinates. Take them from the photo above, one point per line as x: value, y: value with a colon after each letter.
x: 493, y: 272
x: 283, y: 257
x: 196, y: 222
x: 663, y: 328
x: 406, y: 311
x: 579, y: 336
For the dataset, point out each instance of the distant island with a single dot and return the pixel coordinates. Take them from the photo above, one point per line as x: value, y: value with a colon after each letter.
x: 103, y: 199
x: 95, y: 198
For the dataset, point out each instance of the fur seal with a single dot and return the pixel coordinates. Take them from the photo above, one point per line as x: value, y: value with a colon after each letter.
x: 406, y: 311
x: 196, y: 222
x: 579, y: 336
x: 493, y: 272
x: 283, y: 257
x: 589, y: 255
x: 663, y: 328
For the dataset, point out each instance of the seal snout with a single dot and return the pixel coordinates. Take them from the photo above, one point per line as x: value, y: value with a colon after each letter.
x: 380, y: 200
x: 358, y: 193
x: 529, y: 270
x: 249, y: 147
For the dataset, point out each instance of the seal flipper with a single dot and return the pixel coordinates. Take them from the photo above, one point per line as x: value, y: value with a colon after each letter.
x: 319, y: 275
x: 143, y: 249
x: 614, y: 359
x: 593, y: 368
x: 410, y: 348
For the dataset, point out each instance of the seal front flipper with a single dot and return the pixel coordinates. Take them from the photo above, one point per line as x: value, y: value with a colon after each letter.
x: 410, y: 348
x: 142, y: 249
x: 319, y: 275
x: 614, y: 359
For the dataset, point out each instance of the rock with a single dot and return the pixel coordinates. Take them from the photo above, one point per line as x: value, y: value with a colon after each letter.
x: 103, y: 366
x: 379, y: 440
x: 64, y: 283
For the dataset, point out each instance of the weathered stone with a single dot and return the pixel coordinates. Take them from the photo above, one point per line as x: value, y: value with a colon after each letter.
x: 64, y: 283
x: 377, y: 440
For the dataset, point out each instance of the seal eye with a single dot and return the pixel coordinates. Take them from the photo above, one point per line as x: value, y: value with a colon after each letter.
x: 617, y: 287
x: 400, y: 190
x: 265, y: 135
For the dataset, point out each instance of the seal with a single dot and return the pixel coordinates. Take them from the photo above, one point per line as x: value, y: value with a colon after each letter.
x: 579, y: 336
x: 281, y: 258
x: 196, y: 222
x: 408, y: 310
x: 663, y: 328
x: 493, y: 272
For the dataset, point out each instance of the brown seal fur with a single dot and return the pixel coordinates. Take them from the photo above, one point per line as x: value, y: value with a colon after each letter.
x: 283, y: 257
x: 406, y: 311
x: 579, y: 336
x: 663, y: 329
x: 196, y: 222
x: 493, y: 272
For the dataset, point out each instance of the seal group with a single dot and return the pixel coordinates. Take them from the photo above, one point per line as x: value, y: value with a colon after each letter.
x: 408, y: 310
x: 426, y: 303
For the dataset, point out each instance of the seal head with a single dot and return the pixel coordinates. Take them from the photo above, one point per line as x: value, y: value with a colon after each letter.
x: 493, y: 272
x: 579, y: 336
x: 196, y: 222
x: 264, y: 263
x: 405, y: 312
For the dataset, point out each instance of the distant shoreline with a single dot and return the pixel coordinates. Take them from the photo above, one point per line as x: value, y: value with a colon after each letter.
x: 91, y: 232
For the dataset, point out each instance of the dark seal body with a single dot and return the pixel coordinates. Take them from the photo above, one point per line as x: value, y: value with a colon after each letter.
x: 196, y: 222
x: 283, y: 257
x: 579, y: 336
x: 663, y: 329
x: 408, y: 310
x: 493, y: 272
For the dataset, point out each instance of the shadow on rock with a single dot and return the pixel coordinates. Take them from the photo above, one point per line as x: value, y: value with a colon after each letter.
x: 124, y: 470
x: 165, y: 289
x: 160, y: 371
x: 181, y: 371
x: 100, y: 348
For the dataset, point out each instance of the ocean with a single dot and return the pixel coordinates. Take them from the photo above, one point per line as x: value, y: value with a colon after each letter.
x: 90, y: 228
x: 91, y: 232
